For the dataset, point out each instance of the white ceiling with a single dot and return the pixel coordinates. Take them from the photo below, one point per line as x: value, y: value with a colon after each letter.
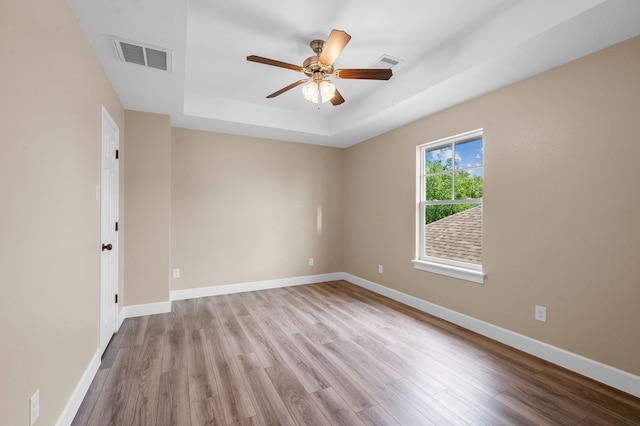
x: 452, y: 51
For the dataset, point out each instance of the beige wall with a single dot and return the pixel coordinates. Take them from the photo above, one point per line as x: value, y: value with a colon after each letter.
x: 51, y: 91
x: 561, y: 211
x: 246, y: 209
x: 147, y: 163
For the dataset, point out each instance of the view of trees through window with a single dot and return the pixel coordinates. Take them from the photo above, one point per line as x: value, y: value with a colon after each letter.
x: 453, y: 173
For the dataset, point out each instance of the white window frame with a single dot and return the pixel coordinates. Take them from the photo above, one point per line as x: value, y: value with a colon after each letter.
x: 452, y: 268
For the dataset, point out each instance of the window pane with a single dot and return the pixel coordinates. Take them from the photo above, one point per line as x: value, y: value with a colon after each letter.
x: 469, y: 154
x: 439, y: 187
x: 468, y: 184
x: 454, y: 232
x: 437, y: 160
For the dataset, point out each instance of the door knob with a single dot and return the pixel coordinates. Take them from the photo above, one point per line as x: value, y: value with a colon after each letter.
x: 107, y: 247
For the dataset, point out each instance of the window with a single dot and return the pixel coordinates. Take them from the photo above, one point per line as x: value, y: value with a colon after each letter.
x: 450, y: 206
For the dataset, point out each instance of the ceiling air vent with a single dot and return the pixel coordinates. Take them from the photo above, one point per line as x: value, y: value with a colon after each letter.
x: 145, y: 55
x: 386, y: 61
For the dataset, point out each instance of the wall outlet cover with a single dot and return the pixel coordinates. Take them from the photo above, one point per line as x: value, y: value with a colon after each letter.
x: 541, y: 313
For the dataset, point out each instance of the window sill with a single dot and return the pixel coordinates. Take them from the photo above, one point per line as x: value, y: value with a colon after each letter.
x: 468, y: 274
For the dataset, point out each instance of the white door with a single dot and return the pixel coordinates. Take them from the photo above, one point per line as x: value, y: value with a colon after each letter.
x: 109, y: 193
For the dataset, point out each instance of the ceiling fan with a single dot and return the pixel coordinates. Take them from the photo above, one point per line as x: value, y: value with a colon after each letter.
x: 319, y: 67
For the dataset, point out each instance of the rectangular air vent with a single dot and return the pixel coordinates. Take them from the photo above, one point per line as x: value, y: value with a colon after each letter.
x: 141, y: 54
x: 386, y: 61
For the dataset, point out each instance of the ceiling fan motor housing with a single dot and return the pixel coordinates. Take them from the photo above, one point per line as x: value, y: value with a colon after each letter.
x: 313, y: 65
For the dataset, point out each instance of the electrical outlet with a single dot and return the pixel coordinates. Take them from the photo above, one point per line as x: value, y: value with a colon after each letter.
x: 380, y: 269
x: 176, y: 273
x: 311, y: 261
x: 34, y: 407
x: 541, y: 313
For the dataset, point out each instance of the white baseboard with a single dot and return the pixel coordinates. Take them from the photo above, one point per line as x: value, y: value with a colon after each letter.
x: 146, y: 309
x: 603, y: 373
x: 79, y: 392
x: 218, y: 290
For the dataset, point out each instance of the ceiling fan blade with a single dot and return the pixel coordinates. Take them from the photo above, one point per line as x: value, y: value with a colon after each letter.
x: 337, y: 99
x: 365, y: 73
x: 289, y: 87
x: 267, y: 61
x: 333, y: 47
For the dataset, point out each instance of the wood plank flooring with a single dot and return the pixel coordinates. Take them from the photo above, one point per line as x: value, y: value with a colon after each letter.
x: 330, y: 354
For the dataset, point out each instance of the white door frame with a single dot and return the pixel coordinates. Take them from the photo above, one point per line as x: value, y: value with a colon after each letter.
x: 109, y: 247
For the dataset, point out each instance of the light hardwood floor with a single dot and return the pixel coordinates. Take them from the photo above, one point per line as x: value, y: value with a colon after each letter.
x: 330, y: 354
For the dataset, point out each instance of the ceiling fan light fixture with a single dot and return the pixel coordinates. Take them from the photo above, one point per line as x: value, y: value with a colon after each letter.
x: 319, y: 92
x: 327, y: 90
x: 310, y: 91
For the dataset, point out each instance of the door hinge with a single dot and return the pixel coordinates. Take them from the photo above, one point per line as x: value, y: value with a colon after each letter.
x: 117, y: 153
x: 116, y: 298
x: 116, y: 226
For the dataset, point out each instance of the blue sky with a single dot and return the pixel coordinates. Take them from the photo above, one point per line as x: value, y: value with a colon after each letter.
x: 468, y: 154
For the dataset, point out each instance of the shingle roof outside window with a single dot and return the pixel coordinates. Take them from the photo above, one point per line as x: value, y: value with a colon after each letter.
x: 456, y: 237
